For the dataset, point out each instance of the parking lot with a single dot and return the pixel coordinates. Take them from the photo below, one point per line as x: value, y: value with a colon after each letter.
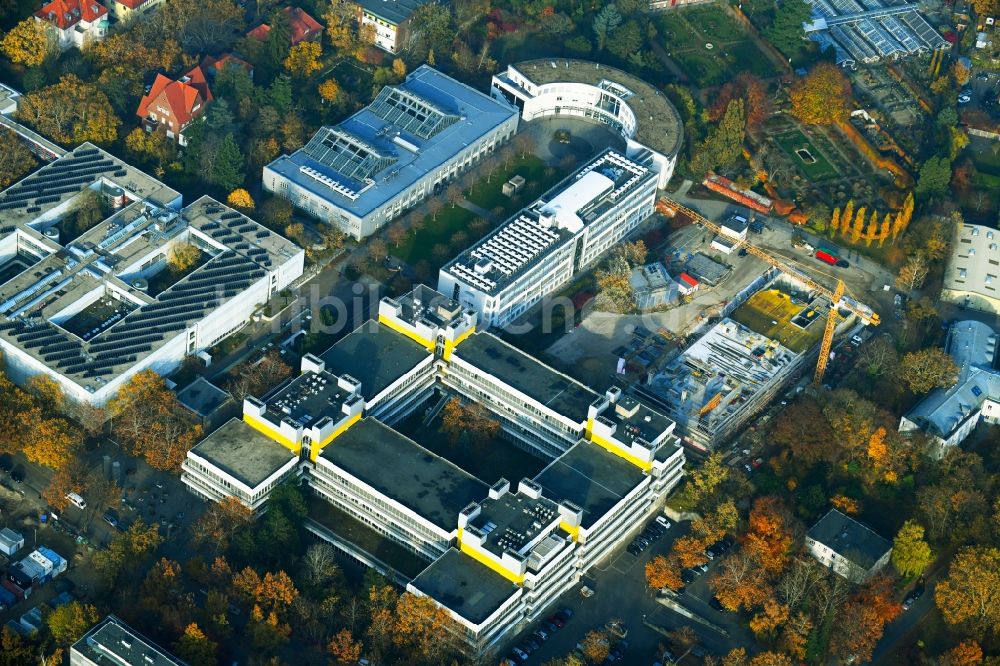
x: 620, y: 593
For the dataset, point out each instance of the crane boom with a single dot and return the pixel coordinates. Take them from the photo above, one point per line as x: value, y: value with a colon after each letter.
x: 827, y: 344
x: 837, y: 299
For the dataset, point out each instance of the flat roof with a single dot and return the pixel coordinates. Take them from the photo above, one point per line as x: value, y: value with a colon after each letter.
x: 244, y: 453
x: 590, y: 477
x: 308, y: 399
x: 375, y: 355
x: 538, y: 230
x: 849, y: 538
x: 425, y: 303
x: 705, y: 268
x: 527, y: 374
x: 645, y: 423
x: 463, y: 585
x: 408, y: 131
x: 969, y: 268
x: 394, y: 11
x: 795, y: 322
x: 660, y: 126
x: 401, y: 469
x: 113, y: 641
x: 202, y: 397
x: 513, y: 520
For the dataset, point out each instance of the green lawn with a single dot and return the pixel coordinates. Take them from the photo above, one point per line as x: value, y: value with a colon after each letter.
x: 704, y: 68
x: 490, y: 195
x: 713, y: 22
x: 744, y: 56
x: 419, y: 246
x: 795, y: 140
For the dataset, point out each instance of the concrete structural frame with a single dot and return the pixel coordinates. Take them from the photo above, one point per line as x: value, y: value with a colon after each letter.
x: 402, y: 148
x: 640, y: 113
x: 544, y: 245
x: 79, y: 308
x: 499, y: 553
x: 972, y: 278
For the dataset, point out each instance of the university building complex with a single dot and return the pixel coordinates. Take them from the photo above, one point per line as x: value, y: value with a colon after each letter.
x: 496, y: 552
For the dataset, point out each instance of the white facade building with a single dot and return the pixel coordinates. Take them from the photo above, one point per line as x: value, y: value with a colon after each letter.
x: 93, y: 309
x: 949, y: 415
x: 972, y: 277
x: 640, y: 113
x: 111, y: 641
x: 612, y: 461
x: 405, y: 146
x: 543, y: 246
x: 848, y: 548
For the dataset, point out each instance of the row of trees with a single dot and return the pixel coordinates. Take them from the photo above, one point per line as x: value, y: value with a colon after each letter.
x: 856, y: 225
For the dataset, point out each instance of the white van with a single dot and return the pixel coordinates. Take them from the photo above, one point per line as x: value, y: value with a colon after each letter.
x: 76, y: 500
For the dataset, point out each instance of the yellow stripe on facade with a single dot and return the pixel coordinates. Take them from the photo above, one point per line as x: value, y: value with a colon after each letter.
x: 315, y: 450
x: 427, y: 344
x: 611, y: 447
x: 450, y: 346
x: 573, y: 531
x: 517, y: 579
x: 264, y: 427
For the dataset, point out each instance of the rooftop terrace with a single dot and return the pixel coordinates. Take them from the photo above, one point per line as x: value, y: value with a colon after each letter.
x: 528, y: 375
x: 660, y: 125
x: 403, y: 470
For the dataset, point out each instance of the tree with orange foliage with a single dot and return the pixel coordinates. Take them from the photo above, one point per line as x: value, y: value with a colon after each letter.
x: 740, y: 582
x: 771, y: 616
x: 795, y: 637
x: 822, y: 97
x: 769, y: 538
x: 862, y: 620
x: 966, y: 653
x: 274, y: 592
x: 662, y: 572
x: 689, y: 551
x: 421, y: 624
x: 970, y: 595
x: 771, y: 659
x: 344, y: 649
x: 220, y: 522
x: 240, y: 198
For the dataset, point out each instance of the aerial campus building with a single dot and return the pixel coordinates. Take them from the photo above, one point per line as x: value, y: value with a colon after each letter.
x: 557, y: 88
x: 92, y: 307
x: 972, y: 277
x: 495, y: 553
x: 870, y: 31
x: 406, y: 145
x: 543, y: 246
x: 111, y: 641
x: 738, y: 365
x: 949, y: 415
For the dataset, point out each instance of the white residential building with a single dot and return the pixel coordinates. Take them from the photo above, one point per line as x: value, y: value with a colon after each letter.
x: 847, y: 547
x: 972, y: 277
x: 612, y: 461
x: 111, y: 641
x: 543, y: 246
x: 949, y: 415
x: 640, y: 113
x: 402, y: 148
x: 92, y: 309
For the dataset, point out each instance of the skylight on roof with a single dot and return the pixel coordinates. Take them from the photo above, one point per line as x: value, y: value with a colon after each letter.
x: 410, y: 112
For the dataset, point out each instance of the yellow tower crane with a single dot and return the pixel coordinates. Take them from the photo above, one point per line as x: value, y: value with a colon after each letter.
x: 669, y: 207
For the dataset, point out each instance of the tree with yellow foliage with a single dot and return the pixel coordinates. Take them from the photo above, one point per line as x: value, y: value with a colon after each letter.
x: 28, y: 43
x: 15, y: 159
x: 871, y: 232
x: 329, y: 90
x: 835, y: 222
x: 772, y: 615
x: 339, y: 27
x: 970, y: 595
x: 846, y: 218
x: 662, y: 572
x: 344, y: 650
x: 885, y: 229
x: 240, y: 198
x: 69, y: 622
x: 70, y: 112
x: 422, y: 625
x: 303, y: 59
x: 195, y: 648
x: 822, y: 97
x: 399, y: 68
x: 858, y: 226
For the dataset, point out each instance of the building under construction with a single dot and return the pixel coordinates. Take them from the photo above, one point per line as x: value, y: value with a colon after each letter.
x: 741, y: 363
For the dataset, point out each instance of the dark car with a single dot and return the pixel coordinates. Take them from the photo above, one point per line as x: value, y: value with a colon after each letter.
x: 530, y: 645
x: 641, y: 540
x: 657, y: 528
x: 17, y: 474
x: 843, y: 263
x: 111, y: 518
x: 557, y: 620
x: 565, y: 614
x: 6, y: 462
x: 650, y: 535
x: 634, y: 550
x: 716, y: 604
x: 689, y: 576
x: 912, y: 597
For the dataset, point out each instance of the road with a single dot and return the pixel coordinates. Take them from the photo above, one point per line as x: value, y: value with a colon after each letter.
x: 621, y: 593
x: 903, y: 626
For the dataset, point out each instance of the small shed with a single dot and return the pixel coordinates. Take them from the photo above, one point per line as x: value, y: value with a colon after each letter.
x: 513, y: 186
x: 687, y: 284
x: 10, y: 541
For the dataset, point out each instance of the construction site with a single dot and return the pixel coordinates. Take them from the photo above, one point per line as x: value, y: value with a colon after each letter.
x: 713, y: 363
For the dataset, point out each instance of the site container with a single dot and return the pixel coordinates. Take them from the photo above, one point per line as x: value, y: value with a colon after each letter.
x: 830, y: 250
x: 826, y: 258
x: 7, y: 598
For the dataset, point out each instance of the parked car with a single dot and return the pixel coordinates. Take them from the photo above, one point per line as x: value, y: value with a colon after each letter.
x: 529, y: 645
x: 716, y: 604
x: 634, y: 550
x: 642, y: 540
x: 111, y: 518
x: 542, y: 634
x: 656, y: 528
x: 843, y: 263
x: 664, y: 522
x: 856, y: 340
x: 912, y: 597
x: 703, y: 568
x: 650, y: 535
x: 689, y: 576
x: 520, y: 654
x: 565, y: 614
x: 17, y: 474
x: 557, y: 620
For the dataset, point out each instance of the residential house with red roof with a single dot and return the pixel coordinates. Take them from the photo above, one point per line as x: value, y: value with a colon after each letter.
x: 304, y: 27
x: 123, y: 9
x: 212, y: 65
x: 74, y: 22
x: 175, y: 104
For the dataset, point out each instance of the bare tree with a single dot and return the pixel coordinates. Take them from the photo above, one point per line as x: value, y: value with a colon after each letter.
x: 797, y: 584
x: 454, y: 194
x: 913, y: 273
x: 879, y: 357
x: 320, y: 563
x: 434, y: 207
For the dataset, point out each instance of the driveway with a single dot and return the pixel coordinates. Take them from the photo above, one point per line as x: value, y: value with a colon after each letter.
x: 621, y: 593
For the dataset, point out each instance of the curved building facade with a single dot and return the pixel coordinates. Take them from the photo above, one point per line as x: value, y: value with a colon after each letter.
x: 641, y: 114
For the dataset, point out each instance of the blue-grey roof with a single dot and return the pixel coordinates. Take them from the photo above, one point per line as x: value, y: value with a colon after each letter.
x: 393, y: 11
x: 849, y: 539
x: 408, y: 131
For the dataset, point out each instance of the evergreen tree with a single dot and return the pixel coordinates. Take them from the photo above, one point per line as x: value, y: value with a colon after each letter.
x: 227, y: 171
